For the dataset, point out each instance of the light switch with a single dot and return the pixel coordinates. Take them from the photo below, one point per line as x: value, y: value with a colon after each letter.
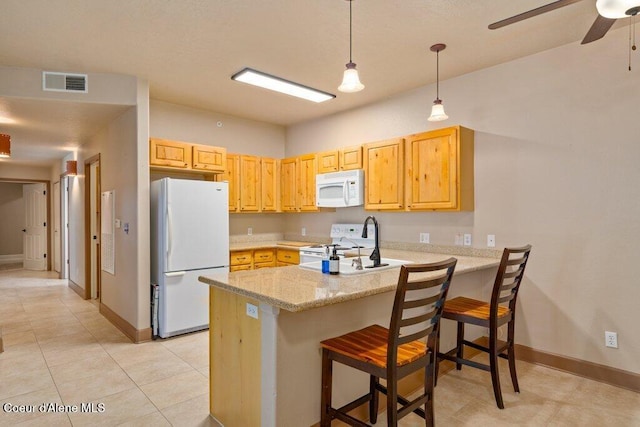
x: 118, y: 223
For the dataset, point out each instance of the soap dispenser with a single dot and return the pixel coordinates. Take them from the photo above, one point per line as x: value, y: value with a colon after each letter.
x: 334, y: 261
x: 325, y: 260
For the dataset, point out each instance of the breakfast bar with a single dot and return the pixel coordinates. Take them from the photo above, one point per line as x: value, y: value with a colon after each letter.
x: 266, y: 325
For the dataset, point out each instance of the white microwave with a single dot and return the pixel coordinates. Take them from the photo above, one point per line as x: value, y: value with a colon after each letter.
x: 340, y: 189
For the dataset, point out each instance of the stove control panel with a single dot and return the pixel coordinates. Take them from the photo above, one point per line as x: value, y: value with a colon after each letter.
x: 351, y: 231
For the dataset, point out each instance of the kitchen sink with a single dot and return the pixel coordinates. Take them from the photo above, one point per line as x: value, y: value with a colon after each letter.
x: 347, y: 268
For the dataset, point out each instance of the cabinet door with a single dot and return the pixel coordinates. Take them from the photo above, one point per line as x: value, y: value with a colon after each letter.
x: 307, y: 183
x: 383, y: 164
x: 288, y: 184
x: 351, y: 158
x: 269, y: 178
x: 232, y: 176
x: 432, y: 170
x: 209, y: 158
x: 163, y: 152
x: 328, y: 161
x: 288, y: 257
x: 249, y: 183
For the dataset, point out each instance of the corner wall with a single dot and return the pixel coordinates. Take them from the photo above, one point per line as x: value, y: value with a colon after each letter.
x: 556, y: 148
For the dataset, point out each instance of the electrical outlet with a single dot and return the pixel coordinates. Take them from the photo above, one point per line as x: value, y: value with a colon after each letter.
x: 467, y: 239
x: 424, y: 237
x: 491, y: 240
x: 249, y: 231
x: 611, y: 339
x: 304, y: 231
x: 252, y: 310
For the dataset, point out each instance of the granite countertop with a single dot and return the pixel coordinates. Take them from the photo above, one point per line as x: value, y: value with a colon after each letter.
x: 286, y: 244
x: 296, y: 289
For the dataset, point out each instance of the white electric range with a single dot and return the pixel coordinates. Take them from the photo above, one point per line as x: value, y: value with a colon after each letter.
x: 347, y: 236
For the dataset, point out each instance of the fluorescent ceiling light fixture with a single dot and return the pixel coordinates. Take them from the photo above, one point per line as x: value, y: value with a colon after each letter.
x: 267, y: 81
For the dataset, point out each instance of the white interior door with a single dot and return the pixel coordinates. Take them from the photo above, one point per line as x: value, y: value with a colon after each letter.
x: 56, y: 226
x: 35, y: 231
x: 94, y: 207
x: 64, y: 220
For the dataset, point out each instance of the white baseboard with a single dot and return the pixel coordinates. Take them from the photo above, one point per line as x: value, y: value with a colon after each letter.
x: 6, y: 259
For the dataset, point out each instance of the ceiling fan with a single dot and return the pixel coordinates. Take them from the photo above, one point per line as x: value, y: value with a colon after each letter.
x: 608, y: 12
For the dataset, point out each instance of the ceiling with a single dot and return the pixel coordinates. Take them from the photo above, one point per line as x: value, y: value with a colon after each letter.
x: 188, y: 49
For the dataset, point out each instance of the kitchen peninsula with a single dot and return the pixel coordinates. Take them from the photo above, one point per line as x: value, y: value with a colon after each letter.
x: 266, y: 326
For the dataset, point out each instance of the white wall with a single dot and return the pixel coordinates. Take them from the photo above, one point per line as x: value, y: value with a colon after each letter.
x: 556, y: 153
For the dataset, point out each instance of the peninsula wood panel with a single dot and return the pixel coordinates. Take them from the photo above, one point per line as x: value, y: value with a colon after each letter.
x: 270, y: 182
x: 175, y: 154
x: 249, y: 183
x: 384, y: 172
x: 288, y: 184
x: 235, y: 357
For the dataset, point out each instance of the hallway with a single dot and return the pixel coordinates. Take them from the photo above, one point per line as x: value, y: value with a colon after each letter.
x: 60, y: 349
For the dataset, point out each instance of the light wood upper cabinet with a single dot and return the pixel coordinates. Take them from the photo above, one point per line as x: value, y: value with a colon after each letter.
x: 174, y: 154
x: 232, y: 176
x: 350, y: 158
x: 343, y: 159
x: 384, y: 172
x: 288, y: 184
x: 439, y: 170
x: 270, y: 181
x: 208, y: 158
x: 308, y: 168
x: 328, y: 161
x: 249, y: 183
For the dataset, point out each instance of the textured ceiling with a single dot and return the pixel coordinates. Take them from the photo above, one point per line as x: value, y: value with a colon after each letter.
x: 188, y: 49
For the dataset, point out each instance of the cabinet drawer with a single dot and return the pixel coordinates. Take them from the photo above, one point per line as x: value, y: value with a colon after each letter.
x: 240, y: 257
x: 263, y: 255
x: 269, y: 264
x: 288, y: 256
x: 240, y: 267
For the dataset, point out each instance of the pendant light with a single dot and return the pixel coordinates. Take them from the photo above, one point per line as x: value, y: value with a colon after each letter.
x: 5, y: 145
x: 350, y: 80
x: 437, y: 111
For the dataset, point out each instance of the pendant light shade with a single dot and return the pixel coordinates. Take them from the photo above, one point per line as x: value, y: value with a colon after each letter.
x: 437, y: 111
x: 5, y: 145
x: 350, y: 80
x: 616, y: 9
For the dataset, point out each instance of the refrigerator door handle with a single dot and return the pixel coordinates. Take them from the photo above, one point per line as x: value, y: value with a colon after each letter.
x: 168, y: 232
x: 175, y: 274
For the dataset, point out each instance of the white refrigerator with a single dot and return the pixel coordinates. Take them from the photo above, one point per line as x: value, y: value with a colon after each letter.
x: 189, y: 238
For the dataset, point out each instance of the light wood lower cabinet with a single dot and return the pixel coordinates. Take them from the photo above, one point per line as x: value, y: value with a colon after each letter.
x: 262, y: 258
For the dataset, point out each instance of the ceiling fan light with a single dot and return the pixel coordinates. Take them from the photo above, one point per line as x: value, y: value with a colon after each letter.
x: 615, y: 9
x: 5, y: 146
x: 437, y: 112
x: 350, y: 81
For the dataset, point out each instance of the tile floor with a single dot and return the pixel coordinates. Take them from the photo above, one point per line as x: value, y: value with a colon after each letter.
x: 60, y: 350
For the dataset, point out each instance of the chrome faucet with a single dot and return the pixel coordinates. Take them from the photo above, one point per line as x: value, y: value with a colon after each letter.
x: 357, y: 263
x: 375, y: 255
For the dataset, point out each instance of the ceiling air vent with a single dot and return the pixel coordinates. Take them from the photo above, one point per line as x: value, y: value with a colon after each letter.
x: 64, y: 82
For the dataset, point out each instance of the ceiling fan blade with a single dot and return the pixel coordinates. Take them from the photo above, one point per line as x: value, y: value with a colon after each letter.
x: 599, y: 28
x: 531, y: 13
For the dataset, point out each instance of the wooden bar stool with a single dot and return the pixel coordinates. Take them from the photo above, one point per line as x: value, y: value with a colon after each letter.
x: 500, y: 311
x: 393, y: 353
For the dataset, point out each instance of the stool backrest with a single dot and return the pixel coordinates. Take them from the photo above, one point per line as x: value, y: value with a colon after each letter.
x: 508, y: 279
x: 417, y: 308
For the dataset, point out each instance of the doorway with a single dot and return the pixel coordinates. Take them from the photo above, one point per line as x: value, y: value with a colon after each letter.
x: 64, y: 227
x: 92, y: 210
